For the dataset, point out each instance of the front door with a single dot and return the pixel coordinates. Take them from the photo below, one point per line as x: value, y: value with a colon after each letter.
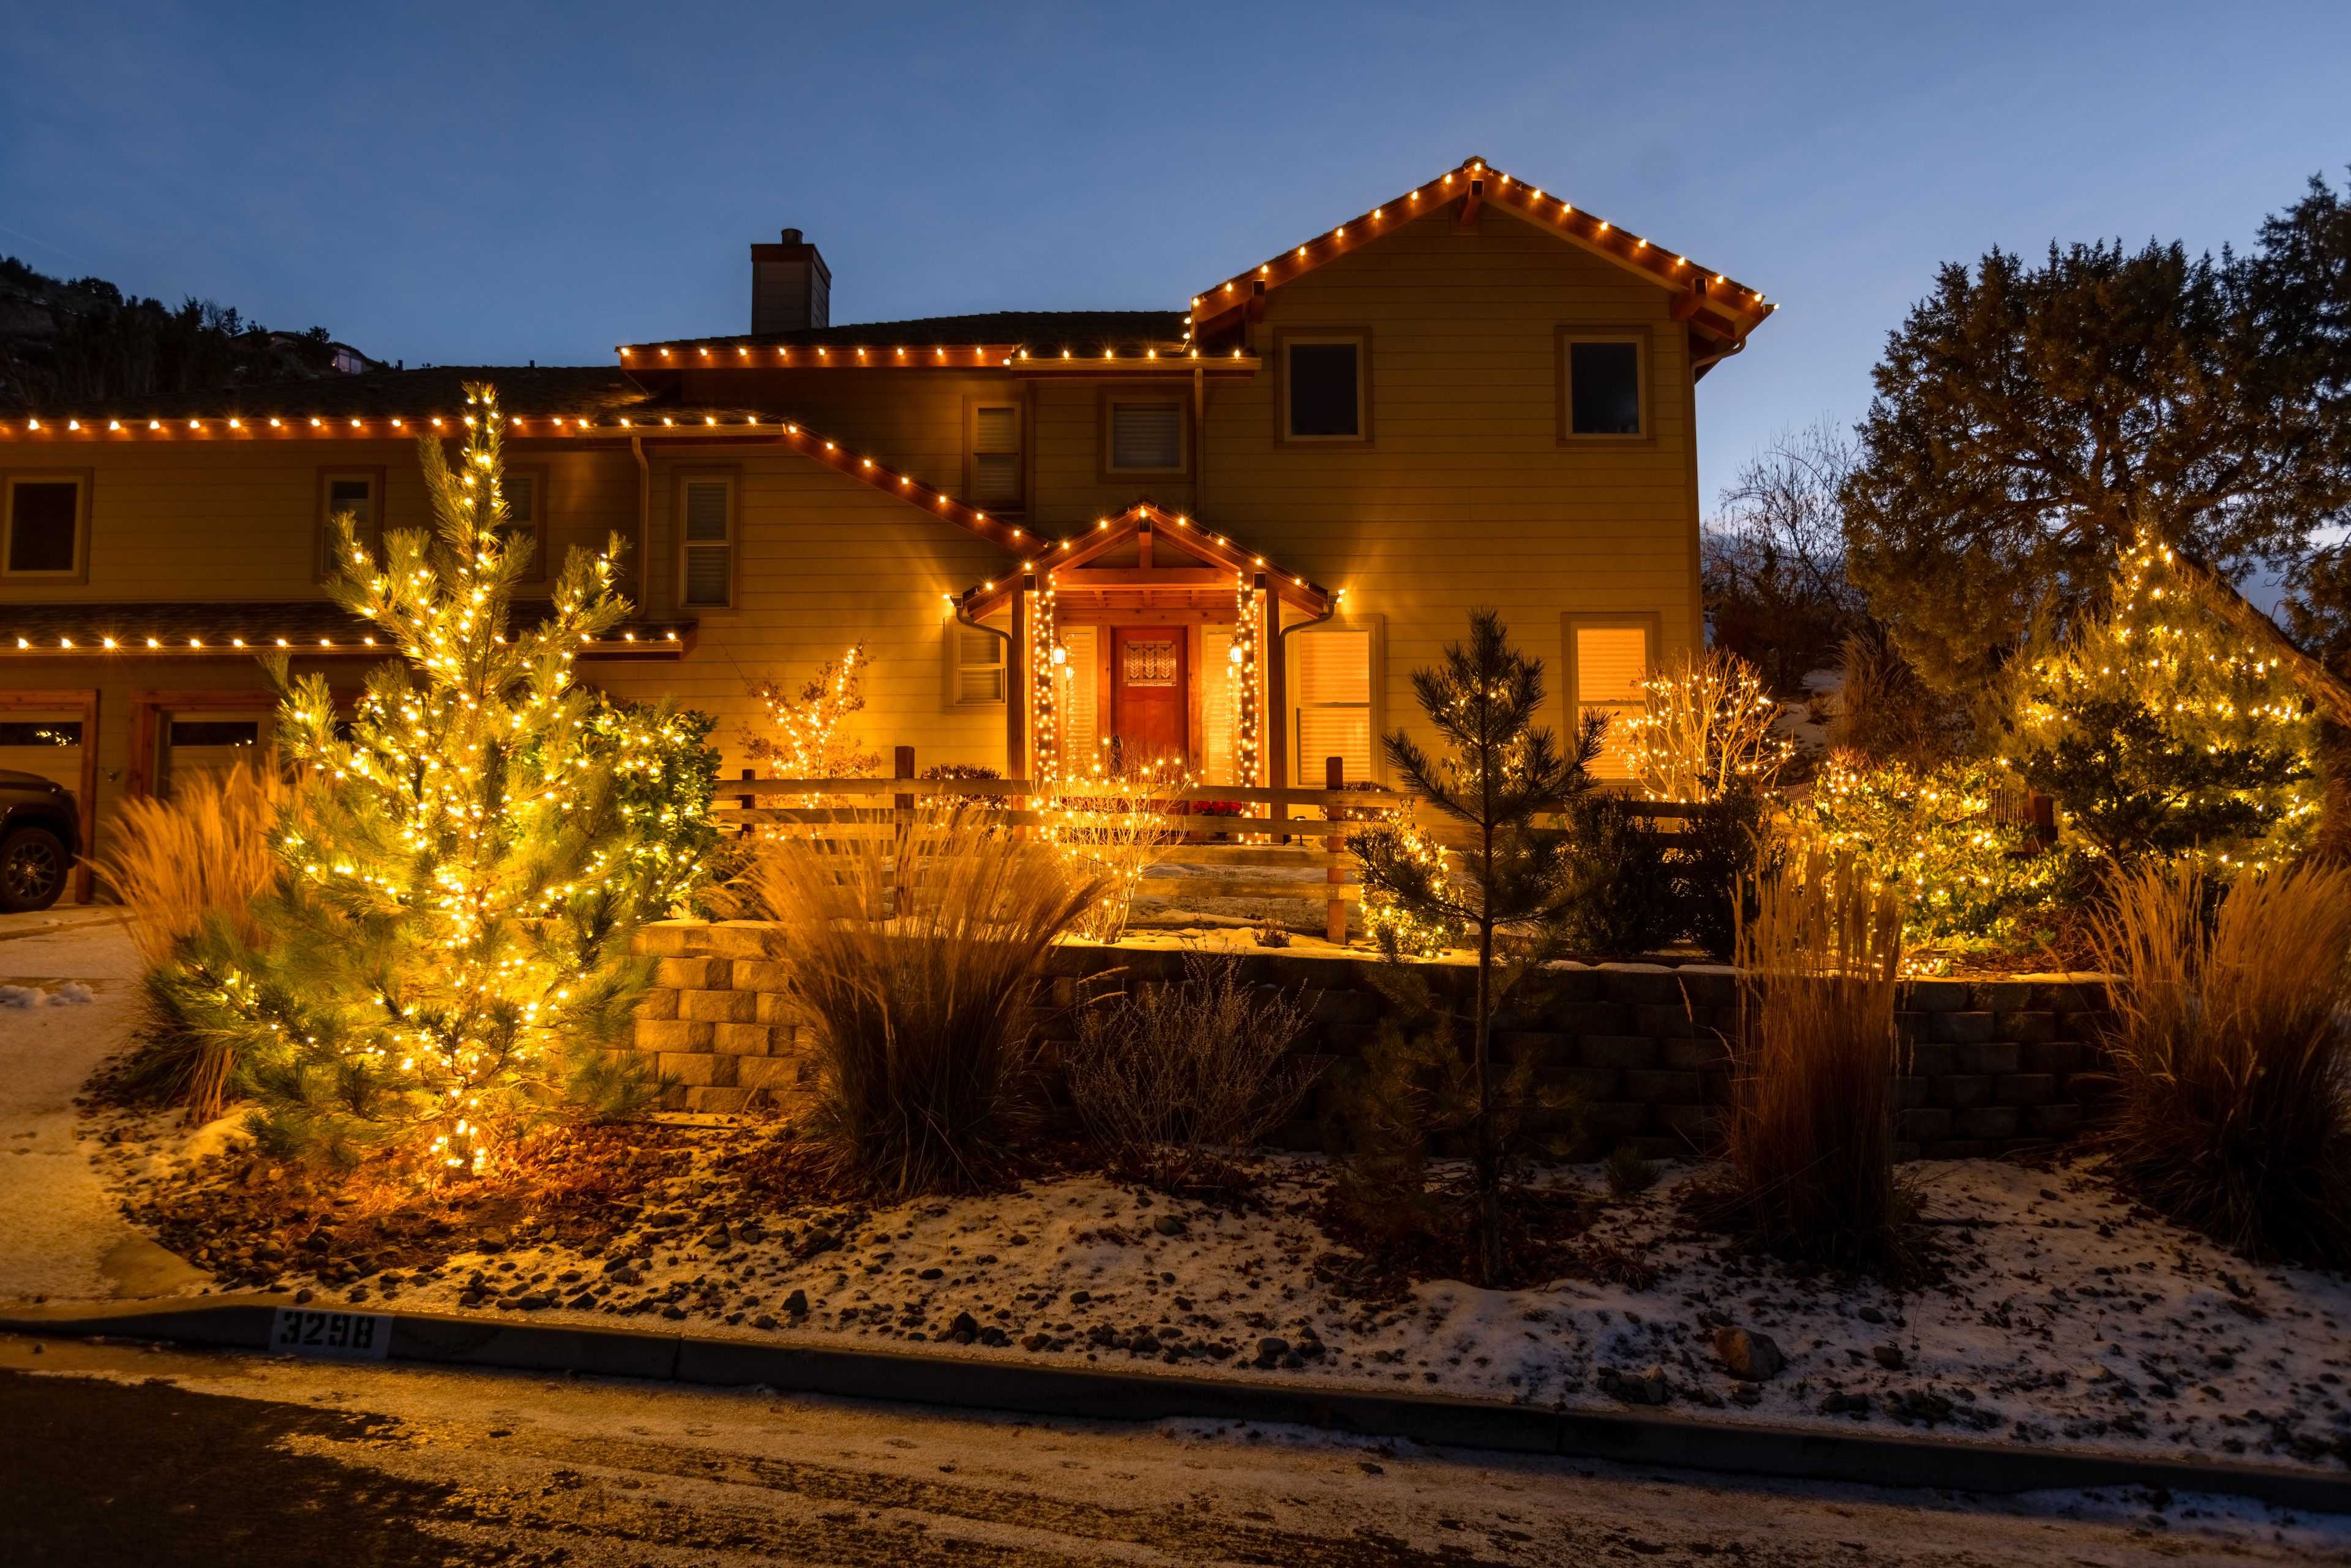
x: 1148, y: 710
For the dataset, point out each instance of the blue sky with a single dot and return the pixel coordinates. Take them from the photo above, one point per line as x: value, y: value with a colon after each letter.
x: 502, y: 182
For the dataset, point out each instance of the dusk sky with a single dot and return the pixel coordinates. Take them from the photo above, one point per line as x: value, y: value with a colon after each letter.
x: 498, y: 184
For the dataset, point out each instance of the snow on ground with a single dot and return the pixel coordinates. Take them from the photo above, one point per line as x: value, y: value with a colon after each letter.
x: 2068, y: 1318
x: 67, y: 1000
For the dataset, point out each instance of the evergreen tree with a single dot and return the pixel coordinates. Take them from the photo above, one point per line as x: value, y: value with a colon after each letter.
x: 1509, y: 889
x: 2162, y: 732
x: 448, y: 950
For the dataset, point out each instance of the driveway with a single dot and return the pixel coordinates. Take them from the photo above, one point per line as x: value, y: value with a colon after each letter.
x: 62, y: 1236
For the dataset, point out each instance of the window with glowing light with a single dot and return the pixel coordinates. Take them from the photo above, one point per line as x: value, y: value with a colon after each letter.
x: 1330, y: 692
x: 48, y: 518
x: 1608, y: 659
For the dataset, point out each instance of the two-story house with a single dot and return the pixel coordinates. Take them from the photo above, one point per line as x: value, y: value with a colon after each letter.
x: 1228, y: 531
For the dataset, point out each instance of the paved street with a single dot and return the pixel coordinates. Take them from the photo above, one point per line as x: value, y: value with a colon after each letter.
x: 117, y: 1454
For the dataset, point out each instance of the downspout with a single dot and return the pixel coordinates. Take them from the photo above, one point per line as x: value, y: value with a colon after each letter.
x: 1016, y: 685
x: 645, y: 525
x: 1288, y: 731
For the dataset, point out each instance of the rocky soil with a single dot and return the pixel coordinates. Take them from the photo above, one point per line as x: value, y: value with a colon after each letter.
x: 2063, y: 1314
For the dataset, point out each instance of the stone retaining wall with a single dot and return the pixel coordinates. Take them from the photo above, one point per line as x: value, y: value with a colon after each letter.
x: 1996, y: 1066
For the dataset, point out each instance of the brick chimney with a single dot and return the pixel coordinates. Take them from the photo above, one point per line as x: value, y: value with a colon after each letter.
x: 791, y: 287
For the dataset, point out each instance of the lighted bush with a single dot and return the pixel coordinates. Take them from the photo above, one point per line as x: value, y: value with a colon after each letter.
x: 1707, y: 728
x: 1175, y: 1078
x: 1808, y: 1141
x: 928, y: 1077
x: 2232, y: 1054
x: 1968, y: 881
x: 1111, y: 825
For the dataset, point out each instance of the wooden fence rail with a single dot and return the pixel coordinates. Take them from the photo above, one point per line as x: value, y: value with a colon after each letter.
x: 882, y: 810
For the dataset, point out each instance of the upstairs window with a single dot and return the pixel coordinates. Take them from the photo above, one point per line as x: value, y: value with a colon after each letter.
x: 360, y: 493
x: 1323, y: 381
x: 995, y: 478
x: 46, y: 532
x: 1604, y: 389
x: 706, y: 541
x: 1146, y: 436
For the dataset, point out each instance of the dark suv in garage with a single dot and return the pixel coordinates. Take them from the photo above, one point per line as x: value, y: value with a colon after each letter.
x: 40, y: 835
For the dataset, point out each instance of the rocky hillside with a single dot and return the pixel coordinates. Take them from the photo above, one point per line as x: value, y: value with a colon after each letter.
x: 72, y: 344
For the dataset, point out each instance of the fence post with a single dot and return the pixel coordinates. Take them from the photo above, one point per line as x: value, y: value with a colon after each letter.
x: 1334, y: 908
x: 747, y: 802
x: 902, y: 880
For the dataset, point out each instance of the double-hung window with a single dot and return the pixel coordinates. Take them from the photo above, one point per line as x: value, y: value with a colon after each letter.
x: 1325, y: 386
x: 1331, y: 681
x: 995, y: 477
x: 706, y: 541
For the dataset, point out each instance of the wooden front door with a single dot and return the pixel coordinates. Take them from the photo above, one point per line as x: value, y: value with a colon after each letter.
x: 1149, y: 709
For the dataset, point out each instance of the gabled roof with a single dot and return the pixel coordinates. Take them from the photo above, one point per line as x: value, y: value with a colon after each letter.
x: 1178, y: 529
x: 1041, y: 332
x: 1712, y: 303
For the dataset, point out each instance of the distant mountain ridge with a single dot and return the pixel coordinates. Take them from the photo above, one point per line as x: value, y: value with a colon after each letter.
x: 83, y: 341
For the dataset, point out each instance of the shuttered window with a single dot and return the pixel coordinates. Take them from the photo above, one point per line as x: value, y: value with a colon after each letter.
x: 708, y: 568
x: 979, y: 666
x: 1147, y: 438
x: 1611, y: 663
x: 1330, y: 677
x: 996, y: 457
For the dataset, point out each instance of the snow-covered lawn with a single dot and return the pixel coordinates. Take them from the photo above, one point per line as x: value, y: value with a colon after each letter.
x: 2064, y: 1316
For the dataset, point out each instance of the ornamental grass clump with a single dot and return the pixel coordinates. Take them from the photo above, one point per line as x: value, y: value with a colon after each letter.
x: 927, y: 1072
x: 201, y: 855
x: 1808, y: 1170
x: 1177, y: 1079
x: 2232, y: 1056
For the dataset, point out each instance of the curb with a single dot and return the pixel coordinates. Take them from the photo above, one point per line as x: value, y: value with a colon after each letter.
x: 249, y: 1322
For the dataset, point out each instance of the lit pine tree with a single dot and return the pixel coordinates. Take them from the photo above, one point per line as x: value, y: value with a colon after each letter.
x: 464, y: 865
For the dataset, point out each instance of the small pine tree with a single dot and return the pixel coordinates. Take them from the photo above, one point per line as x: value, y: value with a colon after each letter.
x: 447, y: 957
x: 1510, y: 890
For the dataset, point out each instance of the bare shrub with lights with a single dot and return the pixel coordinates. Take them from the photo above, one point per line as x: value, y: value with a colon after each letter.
x: 446, y: 959
x: 1707, y: 729
x: 810, y: 732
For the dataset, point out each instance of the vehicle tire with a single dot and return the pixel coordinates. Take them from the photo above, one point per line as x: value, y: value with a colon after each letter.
x: 33, y: 866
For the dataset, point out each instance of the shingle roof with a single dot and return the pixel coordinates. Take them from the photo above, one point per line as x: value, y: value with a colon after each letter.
x: 572, y: 390
x: 1123, y: 331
